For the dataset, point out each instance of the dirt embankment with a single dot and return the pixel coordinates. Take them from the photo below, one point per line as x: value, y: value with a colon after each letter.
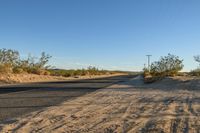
x: 168, y: 106
x: 27, y: 78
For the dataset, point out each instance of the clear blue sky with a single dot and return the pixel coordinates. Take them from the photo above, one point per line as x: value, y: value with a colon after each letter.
x: 110, y: 34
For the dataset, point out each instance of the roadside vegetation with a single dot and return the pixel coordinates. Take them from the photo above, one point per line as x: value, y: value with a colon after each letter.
x: 12, y: 63
x: 79, y: 72
x: 169, y: 65
x: 196, y: 72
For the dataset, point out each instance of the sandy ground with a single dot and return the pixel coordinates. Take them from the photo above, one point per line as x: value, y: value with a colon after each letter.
x: 28, y: 78
x: 168, y: 106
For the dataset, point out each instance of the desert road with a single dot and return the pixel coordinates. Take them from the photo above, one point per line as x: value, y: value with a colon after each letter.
x: 17, y: 100
x: 124, y: 105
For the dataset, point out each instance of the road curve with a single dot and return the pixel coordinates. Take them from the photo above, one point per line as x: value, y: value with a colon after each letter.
x: 17, y: 100
x: 168, y: 106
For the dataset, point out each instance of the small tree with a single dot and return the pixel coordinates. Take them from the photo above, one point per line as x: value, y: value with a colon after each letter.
x: 8, y: 60
x: 27, y: 64
x: 34, y: 65
x: 197, y: 59
x: 168, y: 65
x: 92, y: 70
x: 196, y: 72
x: 43, y: 61
x: 9, y: 56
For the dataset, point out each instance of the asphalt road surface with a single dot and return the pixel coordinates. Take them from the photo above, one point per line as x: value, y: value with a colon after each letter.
x: 18, y: 100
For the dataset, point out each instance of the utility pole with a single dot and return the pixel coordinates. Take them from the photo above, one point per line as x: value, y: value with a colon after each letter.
x: 149, y: 61
x: 144, y: 66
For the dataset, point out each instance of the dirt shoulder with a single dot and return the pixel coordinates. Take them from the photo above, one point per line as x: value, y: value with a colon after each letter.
x: 170, y: 105
x: 30, y: 78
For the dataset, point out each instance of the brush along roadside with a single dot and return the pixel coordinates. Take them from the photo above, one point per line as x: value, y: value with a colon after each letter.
x: 150, y: 79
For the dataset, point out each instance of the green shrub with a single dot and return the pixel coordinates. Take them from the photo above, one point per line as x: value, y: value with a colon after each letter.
x: 167, y: 66
x: 146, y: 72
x: 79, y: 72
x: 18, y: 70
x: 39, y: 71
x: 46, y: 72
x: 10, y: 62
x: 195, y: 72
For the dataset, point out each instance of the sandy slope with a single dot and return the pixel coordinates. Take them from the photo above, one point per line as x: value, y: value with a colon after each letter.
x: 28, y: 78
x: 172, y: 105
